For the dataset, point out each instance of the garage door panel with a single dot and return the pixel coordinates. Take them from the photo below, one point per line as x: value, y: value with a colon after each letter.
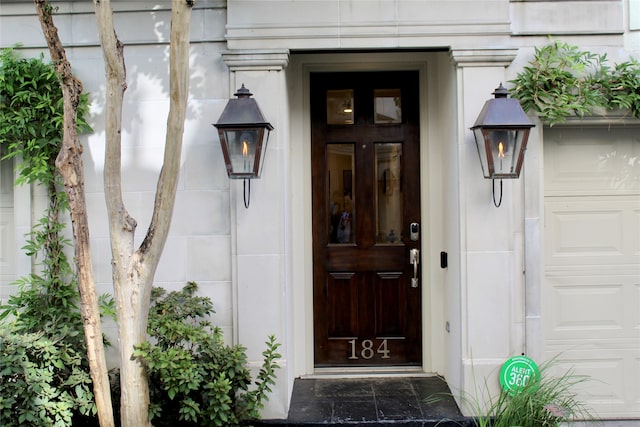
x: 590, y: 230
x: 588, y: 308
x: 592, y: 307
x: 609, y: 391
x: 592, y: 161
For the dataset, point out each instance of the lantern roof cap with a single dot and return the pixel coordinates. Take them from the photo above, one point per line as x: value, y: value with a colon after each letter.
x: 502, y: 112
x: 242, y: 112
x: 243, y: 92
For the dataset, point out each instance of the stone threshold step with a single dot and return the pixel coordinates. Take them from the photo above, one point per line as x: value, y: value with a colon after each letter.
x: 373, y: 401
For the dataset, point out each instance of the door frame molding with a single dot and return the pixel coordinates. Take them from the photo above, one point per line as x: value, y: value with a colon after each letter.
x: 299, y: 170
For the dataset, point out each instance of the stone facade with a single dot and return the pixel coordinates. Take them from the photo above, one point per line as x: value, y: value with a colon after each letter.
x: 256, y: 263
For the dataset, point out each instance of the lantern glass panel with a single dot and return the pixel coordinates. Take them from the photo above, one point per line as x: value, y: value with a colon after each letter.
x: 261, y: 149
x: 482, y: 151
x: 244, y: 152
x: 502, y: 153
x: 501, y: 147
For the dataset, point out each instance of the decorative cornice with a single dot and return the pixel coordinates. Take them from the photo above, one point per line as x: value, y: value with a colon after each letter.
x: 272, y: 60
x: 601, y: 118
x: 483, y: 57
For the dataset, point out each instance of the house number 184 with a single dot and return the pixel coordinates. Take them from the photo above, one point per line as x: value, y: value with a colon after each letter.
x: 367, y: 349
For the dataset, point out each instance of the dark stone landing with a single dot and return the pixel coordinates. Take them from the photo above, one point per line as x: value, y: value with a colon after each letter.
x: 395, y: 401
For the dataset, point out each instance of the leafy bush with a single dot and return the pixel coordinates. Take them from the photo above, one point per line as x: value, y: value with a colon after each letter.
x: 563, y: 80
x: 623, y: 90
x: 43, y: 382
x: 47, y: 300
x: 196, y: 379
x: 31, y: 116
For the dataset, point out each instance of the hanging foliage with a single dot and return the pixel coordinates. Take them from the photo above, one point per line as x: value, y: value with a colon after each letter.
x: 31, y: 116
x: 563, y: 81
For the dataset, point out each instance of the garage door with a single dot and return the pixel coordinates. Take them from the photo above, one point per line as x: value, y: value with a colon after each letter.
x: 591, y: 294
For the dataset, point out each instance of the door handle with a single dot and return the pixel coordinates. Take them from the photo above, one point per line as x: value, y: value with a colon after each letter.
x: 414, y: 259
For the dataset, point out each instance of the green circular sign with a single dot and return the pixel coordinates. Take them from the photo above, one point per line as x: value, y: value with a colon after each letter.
x: 517, y: 372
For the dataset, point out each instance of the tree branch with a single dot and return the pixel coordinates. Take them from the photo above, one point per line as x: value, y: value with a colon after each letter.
x: 69, y: 163
x: 156, y: 237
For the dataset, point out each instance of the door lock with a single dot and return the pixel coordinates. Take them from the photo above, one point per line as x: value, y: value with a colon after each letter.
x: 414, y: 259
x: 414, y: 231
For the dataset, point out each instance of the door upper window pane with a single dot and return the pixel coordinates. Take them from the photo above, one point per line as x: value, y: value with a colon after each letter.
x: 340, y: 171
x: 389, y: 197
x: 340, y: 107
x: 387, y: 106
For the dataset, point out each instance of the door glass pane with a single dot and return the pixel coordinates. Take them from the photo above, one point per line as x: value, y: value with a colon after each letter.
x: 389, y: 193
x: 340, y: 172
x: 340, y: 107
x: 387, y: 106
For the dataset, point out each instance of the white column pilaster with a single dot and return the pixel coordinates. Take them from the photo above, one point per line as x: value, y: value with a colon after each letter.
x: 492, y: 296
x: 260, y: 232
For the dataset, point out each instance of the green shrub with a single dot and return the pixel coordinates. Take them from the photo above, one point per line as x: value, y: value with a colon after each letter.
x: 563, y: 81
x: 196, y: 379
x: 43, y: 382
x: 31, y: 116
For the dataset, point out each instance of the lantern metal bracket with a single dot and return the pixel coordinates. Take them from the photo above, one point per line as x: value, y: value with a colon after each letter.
x: 246, y: 188
x: 499, y: 202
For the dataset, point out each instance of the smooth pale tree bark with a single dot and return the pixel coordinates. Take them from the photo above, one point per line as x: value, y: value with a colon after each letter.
x: 69, y: 163
x: 134, y: 269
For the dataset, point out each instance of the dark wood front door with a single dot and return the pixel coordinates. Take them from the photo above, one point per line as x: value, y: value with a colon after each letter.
x: 366, y: 218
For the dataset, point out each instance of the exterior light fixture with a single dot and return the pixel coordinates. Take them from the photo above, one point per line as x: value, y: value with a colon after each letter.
x: 501, y: 132
x: 244, y: 134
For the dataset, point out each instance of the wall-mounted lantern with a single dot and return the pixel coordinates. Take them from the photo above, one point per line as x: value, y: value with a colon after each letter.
x: 244, y: 134
x: 501, y: 132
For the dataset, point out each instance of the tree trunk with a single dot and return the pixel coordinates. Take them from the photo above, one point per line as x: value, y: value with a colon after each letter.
x: 70, y: 165
x: 134, y: 269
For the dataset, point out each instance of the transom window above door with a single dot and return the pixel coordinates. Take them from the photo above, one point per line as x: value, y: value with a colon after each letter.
x: 387, y: 106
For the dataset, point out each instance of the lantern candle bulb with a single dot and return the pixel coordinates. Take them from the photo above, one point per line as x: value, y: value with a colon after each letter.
x: 245, y: 153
